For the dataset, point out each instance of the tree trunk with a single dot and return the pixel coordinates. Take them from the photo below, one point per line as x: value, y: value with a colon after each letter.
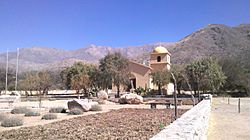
x: 85, y: 92
x: 192, y: 96
x: 78, y: 94
x: 118, y: 91
x: 40, y: 99
x: 179, y: 85
x: 159, y: 89
x: 179, y: 90
x: 198, y: 89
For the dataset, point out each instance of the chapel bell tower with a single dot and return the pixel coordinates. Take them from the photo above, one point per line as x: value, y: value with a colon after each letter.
x: 160, y: 59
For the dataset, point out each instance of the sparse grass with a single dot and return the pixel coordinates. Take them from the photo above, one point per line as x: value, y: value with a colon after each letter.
x: 96, y: 108
x: 162, y: 126
x: 49, y: 116
x: 32, y: 113
x: 20, y: 110
x: 57, y: 110
x: 75, y: 111
x: 12, y: 122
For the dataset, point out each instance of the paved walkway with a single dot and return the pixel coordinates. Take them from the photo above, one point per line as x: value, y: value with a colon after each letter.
x: 226, y: 123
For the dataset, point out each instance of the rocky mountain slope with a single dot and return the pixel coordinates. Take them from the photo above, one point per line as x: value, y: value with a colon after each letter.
x: 213, y: 40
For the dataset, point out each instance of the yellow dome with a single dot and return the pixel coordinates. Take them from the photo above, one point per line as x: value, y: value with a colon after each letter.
x: 160, y: 49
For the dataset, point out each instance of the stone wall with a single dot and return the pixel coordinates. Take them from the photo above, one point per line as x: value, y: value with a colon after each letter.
x: 192, y: 125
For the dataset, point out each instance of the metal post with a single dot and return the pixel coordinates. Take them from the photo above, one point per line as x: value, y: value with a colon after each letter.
x: 17, y: 62
x: 175, y: 97
x: 6, y: 78
x: 228, y: 100
x: 239, y: 105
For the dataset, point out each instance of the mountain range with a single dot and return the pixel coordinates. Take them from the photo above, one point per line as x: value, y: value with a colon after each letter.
x: 215, y: 40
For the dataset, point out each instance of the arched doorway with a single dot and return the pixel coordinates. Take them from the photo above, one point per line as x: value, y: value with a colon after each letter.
x: 132, y: 84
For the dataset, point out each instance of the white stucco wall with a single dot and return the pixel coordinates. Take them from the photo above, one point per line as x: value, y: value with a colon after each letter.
x: 192, y: 125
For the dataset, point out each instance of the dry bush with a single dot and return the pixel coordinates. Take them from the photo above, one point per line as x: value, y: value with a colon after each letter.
x: 12, y: 122
x: 20, y: 110
x: 101, y: 102
x: 57, y: 110
x: 32, y: 113
x: 96, y: 108
x: 2, y: 117
x: 75, y: 111
x: 49, y: 116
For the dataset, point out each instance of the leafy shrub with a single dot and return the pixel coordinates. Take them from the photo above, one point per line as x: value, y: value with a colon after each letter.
x: 151, y: 93
x: 57, y: 110
x: 96, y: 108
x: 49, y: 116
x: 2, y: 117
x: 19, y: 110
x: 75, y: 111
x: 162, y: 126
x: 12, y: 122
x: 101, y: 102
x: 139, y: 90
x: 31, y: 113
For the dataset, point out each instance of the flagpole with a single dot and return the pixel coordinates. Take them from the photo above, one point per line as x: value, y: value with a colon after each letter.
x: 7, y: 65
x: 17, y: 63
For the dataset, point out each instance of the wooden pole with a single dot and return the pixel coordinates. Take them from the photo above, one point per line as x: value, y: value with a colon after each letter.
x: 228, y: 100
x: 239, y: 105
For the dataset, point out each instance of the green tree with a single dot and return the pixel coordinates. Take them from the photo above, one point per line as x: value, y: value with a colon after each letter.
x: 114, y: 68
x: 80, y: 82
x: 56, y: 79
x: 81, y: 77
x: 205, y: 74
x: 179, y: 74
x: 68, y: 74
x: 11, y: 79
x: 238, y: 76
x: 160, y: 78
x: 214, y: 76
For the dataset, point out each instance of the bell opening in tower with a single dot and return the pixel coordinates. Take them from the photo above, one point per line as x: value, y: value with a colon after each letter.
x: 158, y: 58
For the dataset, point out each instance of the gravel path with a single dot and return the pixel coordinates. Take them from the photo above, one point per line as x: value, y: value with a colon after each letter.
x: 116, y: 124
x: 226, y: 123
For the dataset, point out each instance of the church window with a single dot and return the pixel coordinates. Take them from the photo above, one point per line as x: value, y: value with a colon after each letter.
x: 158, y: 58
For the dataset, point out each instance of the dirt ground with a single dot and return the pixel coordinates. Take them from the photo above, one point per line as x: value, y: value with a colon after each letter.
x: 33, y: 121
x: 226, y: 123
x: 132, y: 124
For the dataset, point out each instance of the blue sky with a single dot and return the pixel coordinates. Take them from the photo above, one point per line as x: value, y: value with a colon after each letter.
x: 72, y: 24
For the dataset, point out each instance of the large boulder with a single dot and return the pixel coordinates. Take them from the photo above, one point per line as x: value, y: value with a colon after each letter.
x: 102, y: 95
x: 131, y: 98
x: 93, y: 103
x: 80, y: 104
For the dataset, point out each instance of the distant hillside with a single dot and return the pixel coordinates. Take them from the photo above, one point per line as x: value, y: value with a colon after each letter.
x: 38, y: 58
x: 214, y: 40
